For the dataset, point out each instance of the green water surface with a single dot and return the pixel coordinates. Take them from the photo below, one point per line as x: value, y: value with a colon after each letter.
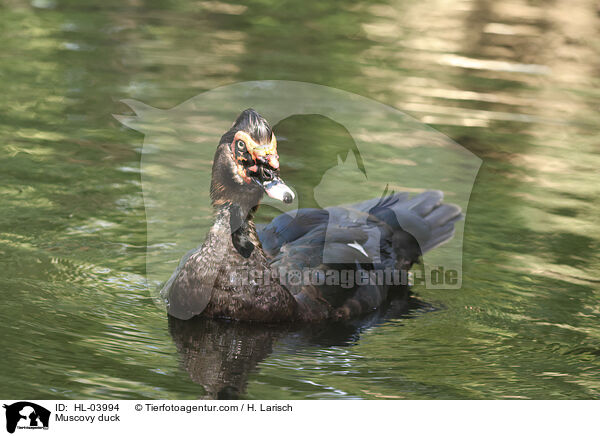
x: 515, y: 82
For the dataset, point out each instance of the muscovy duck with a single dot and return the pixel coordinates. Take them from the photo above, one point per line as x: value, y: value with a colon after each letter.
x: 243, y: 274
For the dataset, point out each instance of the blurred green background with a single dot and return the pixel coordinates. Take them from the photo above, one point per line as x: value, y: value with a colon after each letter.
x: 515, y: 82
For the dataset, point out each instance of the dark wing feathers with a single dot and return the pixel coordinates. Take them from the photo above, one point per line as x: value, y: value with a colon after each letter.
x: 388, y: 232
x: 423, y: 217
x: 286, y: 228
x: 441, y: 220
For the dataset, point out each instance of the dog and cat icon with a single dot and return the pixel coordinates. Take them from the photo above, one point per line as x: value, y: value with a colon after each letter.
x: 24, y: 414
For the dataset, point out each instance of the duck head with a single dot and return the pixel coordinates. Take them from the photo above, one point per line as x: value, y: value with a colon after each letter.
x: 246, y: 164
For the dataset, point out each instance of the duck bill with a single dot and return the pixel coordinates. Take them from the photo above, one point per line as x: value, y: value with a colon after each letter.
x: 278, y: 190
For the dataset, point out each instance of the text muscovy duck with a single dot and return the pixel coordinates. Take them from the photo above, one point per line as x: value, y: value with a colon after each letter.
x: 237, y: 272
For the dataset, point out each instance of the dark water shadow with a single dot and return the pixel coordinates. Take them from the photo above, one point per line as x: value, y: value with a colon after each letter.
x: 220, y: 355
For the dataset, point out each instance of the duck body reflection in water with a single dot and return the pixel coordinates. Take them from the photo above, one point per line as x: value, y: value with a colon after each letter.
x: 220, y: 355
x: 387, y: 233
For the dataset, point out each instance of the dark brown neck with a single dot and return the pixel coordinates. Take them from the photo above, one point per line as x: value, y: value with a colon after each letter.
x: 242, y: 231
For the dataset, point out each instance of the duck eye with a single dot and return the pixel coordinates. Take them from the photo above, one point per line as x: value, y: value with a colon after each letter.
x: 241, y: 145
